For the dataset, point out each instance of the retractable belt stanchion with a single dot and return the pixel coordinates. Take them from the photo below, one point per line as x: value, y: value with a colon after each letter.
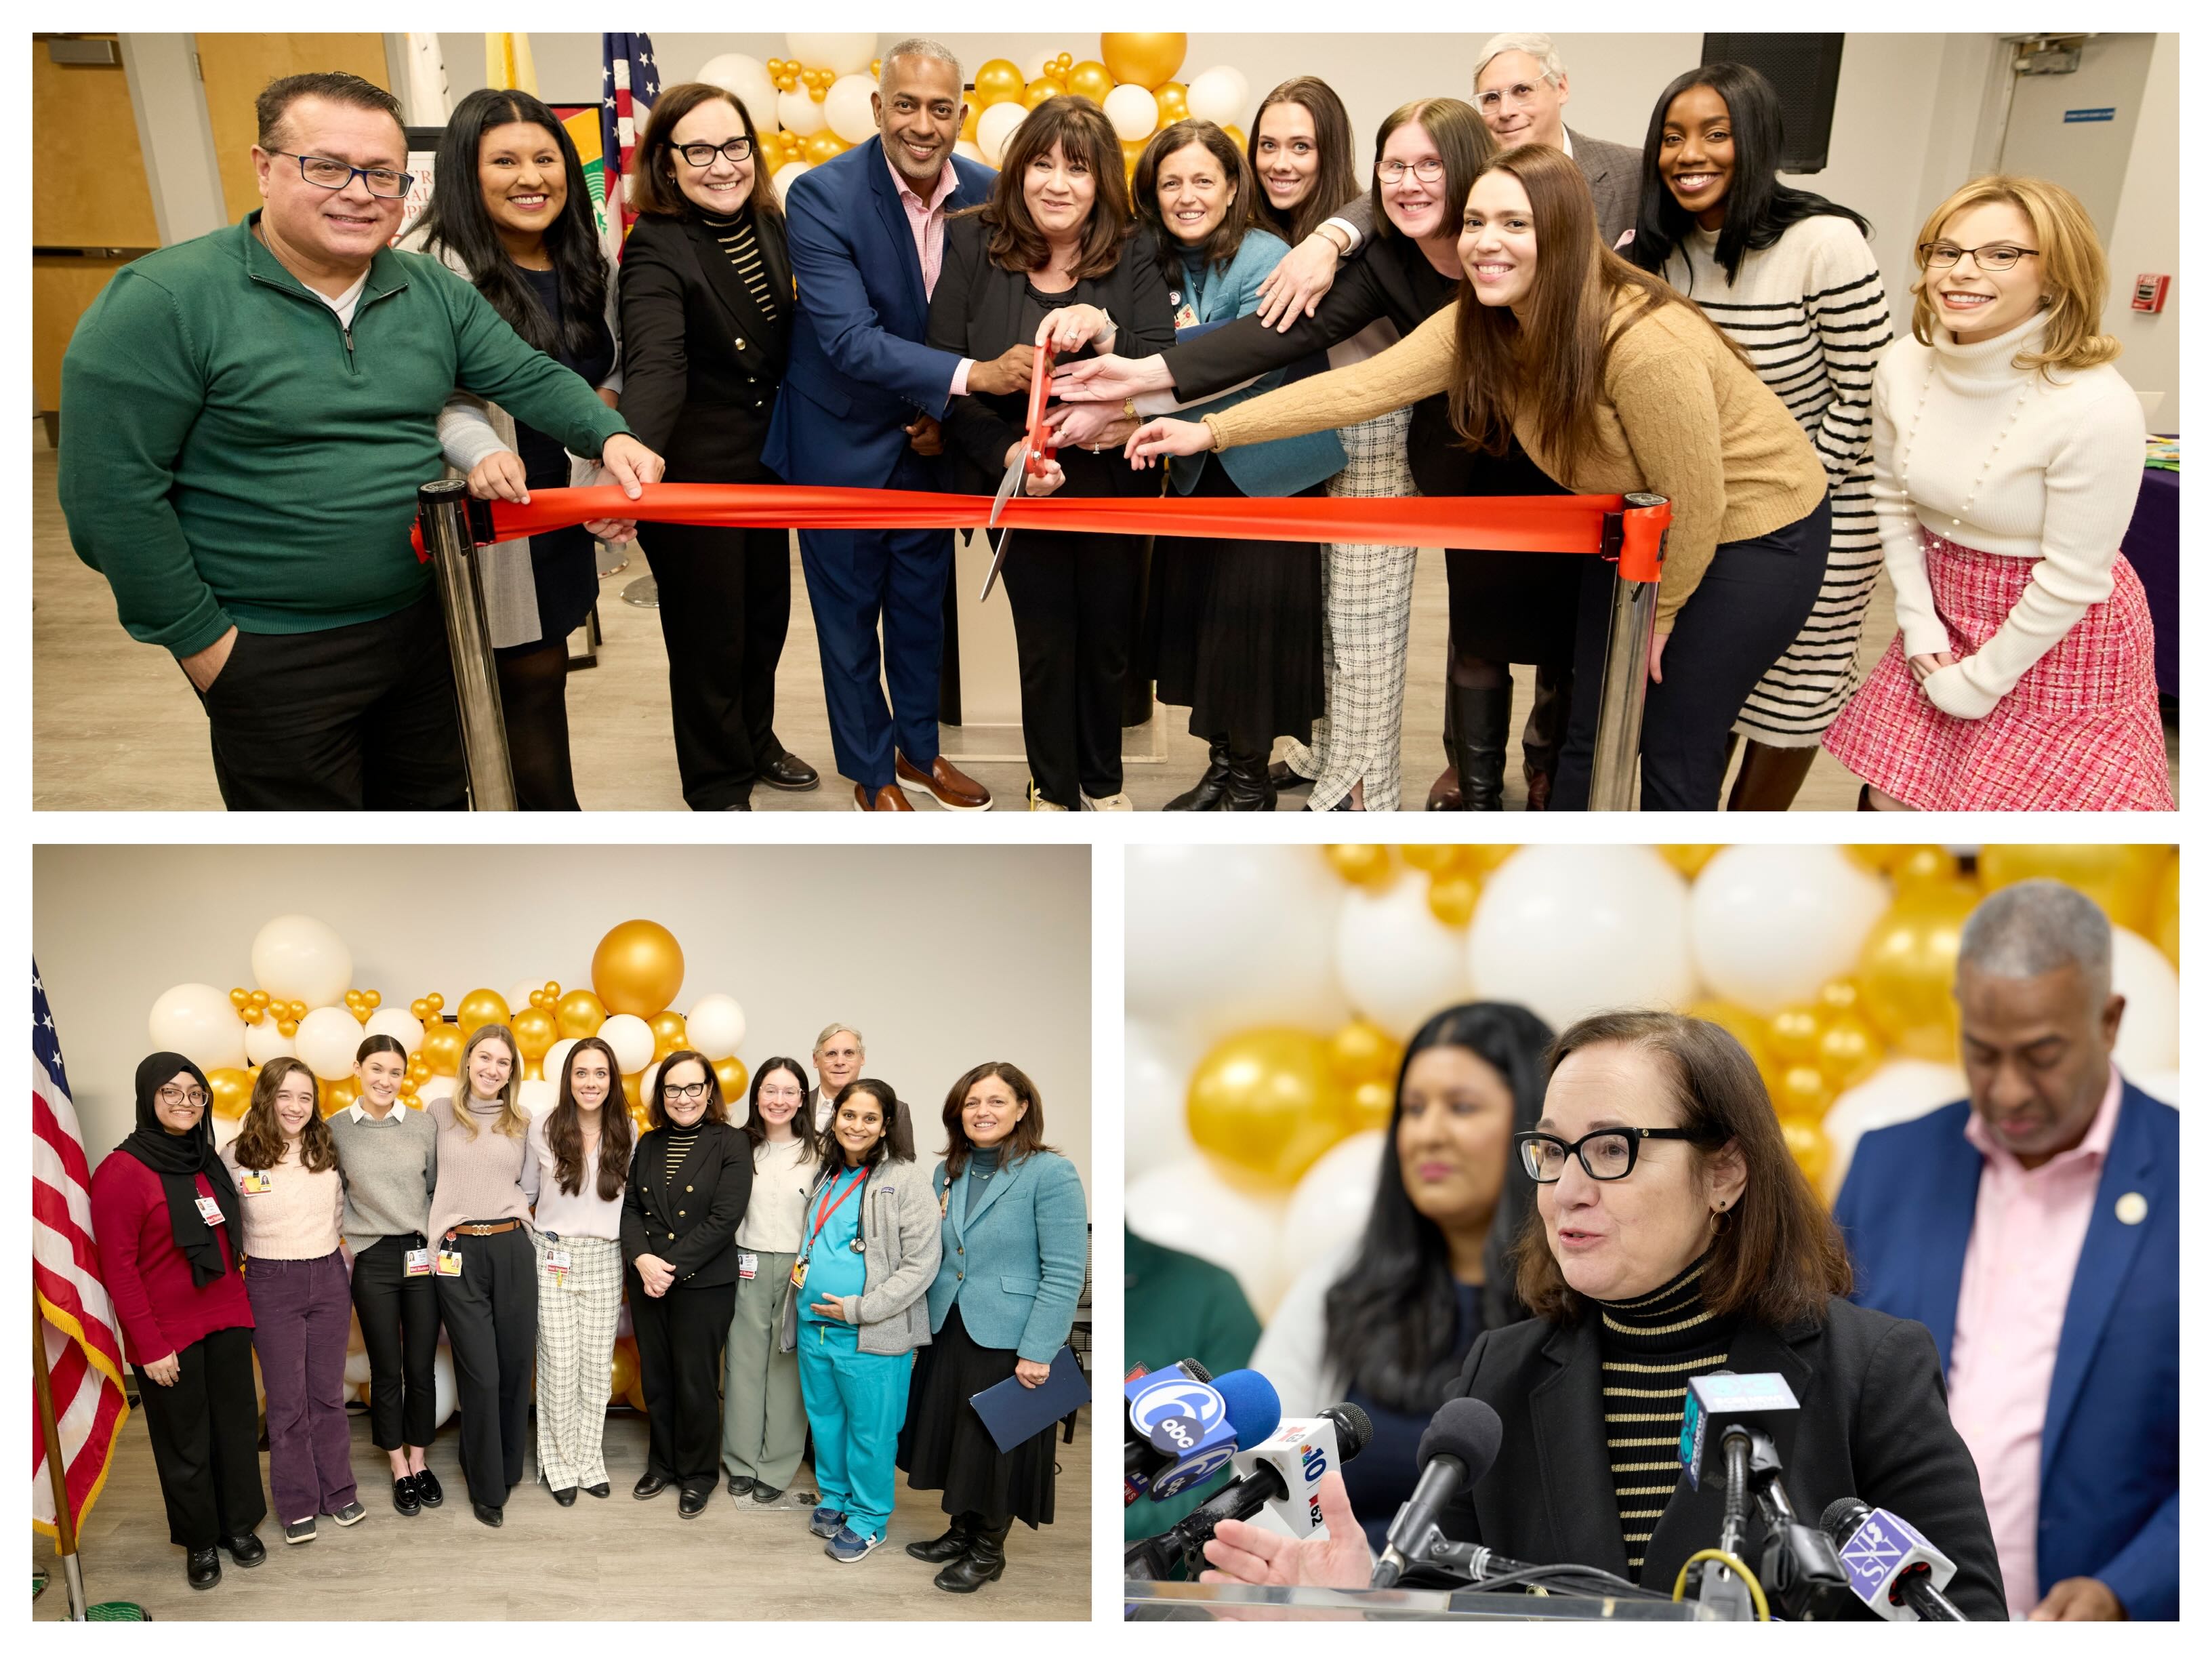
x: 450, y: 528
x: 1628, y: 530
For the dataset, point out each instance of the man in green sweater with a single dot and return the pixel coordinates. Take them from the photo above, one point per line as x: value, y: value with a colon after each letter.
x: 246, y: 418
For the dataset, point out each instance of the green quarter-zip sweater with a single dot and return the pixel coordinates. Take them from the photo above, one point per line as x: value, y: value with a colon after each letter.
x: 233, y: 455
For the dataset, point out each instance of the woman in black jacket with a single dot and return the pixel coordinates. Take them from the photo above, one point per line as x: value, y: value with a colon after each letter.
x: 706, y: 303
x: 1050, y: 259
x: 690, y: 1181
x: 1672, y: 1236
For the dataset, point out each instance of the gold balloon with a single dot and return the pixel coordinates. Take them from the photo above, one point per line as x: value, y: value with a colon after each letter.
x: 1923, y: 863
x: 1849, y: 1051
x: 825, y: 145
x: 229, y: 1089
x: 997, y: 81
x: 668, y: 1034
x: 239, y: 998
x: 1452, y: 897
x: 1484, y: 858
x: 258, y: 997
x: 334, y: 1094
x: 1369, y: 1109
x: 1749, y: 1027
x: 1091, y: 80
x: 634, y: 1092
x: 1792, y: 1033
x: 435, y: 1001
x: 733, y: 1079
x: 625, y: 1365
x: 420, y: 1010
x: 2121, y: 878
x: 637, y: 968
x: 371, y: 997
x: 1838, y: 994
x: 1803, y: 1094
x: 1429, y: 858
x: 1688, y: 859
x: 2166, y: 912
x: 1359, y: 1050
x: 1809, y: 1147
x: 1877, y: 858
x: 534, y: 1030
x: 1360, y: 864
x: 968, y: 123
x: 478, y: 1009
x: 441, y: 1048
x: 1236, y: 135
x: 1174, y: 98
x: 1041, y: 88
x: 580, y: 1014
x: 287, y: 1027
x: 1150, y: 60
x: 1266, y: 1100
x: 641, y: 1117
x: 254, y: 1015
x: 1907, y: 966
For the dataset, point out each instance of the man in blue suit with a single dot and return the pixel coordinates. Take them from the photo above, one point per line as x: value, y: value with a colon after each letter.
x: 2035, y: 1231
x: 859, y: 407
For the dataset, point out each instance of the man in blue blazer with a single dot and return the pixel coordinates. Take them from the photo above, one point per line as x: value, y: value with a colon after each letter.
x: 859, y: 407
x: 2035, y: 1231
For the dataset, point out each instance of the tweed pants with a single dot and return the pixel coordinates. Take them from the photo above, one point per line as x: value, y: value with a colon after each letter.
x: 575, y: 1357
x: 1367, y: 596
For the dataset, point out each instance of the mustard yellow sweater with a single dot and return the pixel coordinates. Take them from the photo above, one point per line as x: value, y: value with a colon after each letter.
x: 1680, y: 414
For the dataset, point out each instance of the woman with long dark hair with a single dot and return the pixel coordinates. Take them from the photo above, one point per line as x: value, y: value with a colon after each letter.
x: 1386, y: 1322
x: 575, y: 1166
x: 512, y: 214
x: 763, y: 1413
x: 1790, y: 276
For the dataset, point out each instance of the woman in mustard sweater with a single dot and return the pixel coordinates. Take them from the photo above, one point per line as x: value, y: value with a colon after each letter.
x: 1613, y: 383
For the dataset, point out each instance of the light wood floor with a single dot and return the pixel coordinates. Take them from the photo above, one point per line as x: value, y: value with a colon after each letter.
x: 617, y: 1558
x: 118, y: 728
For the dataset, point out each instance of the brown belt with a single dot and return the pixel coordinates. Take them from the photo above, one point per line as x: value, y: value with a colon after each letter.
x: 485, y: 1228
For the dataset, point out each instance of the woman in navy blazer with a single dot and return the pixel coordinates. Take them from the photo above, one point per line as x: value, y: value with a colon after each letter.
x: 1015, y: 1239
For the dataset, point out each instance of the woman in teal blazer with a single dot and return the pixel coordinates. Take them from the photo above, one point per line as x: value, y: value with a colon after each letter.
x: 1015, y: 1242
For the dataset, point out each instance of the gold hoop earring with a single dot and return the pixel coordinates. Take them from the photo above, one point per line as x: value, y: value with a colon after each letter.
x: 1719, y: 1223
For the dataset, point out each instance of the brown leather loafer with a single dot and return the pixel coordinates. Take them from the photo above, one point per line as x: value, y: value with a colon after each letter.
x: 952, y: 789
x: 886, y: 797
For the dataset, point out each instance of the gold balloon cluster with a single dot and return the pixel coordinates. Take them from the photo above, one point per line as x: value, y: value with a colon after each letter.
x: 1266, y: 1104
x: 254, y: 1007
x: 1455, y: 872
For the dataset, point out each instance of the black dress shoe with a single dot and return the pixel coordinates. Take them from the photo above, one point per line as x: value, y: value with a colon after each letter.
x: 490, y: 1515
x: 1285, y: 779
x: 742, y: 803
x: 404, y: 1499
x: 952, y: 1544
x: 427, y: 1488
x: 564, y: 1497
x: 740, y: 1486
x: 764, y: 1494
x: 651, y: 1485
x: 787, y: 774
x: 246, y: 1550
x: 600, y: 1490
x: 203, y: 1569
x: 690, y: 1501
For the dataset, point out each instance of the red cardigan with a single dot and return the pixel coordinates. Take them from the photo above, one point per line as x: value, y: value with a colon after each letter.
x: 149, y: 1278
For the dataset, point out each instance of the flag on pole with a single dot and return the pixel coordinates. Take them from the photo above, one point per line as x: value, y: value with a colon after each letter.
x: 627, y: 92
x: 83, y: 1352
x: 425, y: 97
x: 507, y: 64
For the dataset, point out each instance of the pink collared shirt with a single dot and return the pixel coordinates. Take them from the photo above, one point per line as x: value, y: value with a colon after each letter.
x: 2027, y: 1239
x: 926, y: 220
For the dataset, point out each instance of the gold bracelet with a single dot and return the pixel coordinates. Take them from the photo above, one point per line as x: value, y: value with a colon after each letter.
x: 1129, y: 408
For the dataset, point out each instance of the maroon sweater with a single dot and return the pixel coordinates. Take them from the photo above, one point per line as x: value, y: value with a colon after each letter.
x: 149, y: 1278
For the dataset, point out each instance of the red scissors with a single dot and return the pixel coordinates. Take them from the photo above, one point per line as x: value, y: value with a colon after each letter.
x: 1038, y: 446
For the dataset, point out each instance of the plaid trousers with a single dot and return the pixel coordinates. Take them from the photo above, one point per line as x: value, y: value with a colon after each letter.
x: 575, y: 1357
x: 1367, y: 595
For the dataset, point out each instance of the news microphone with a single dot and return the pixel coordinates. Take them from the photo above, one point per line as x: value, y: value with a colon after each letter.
x: 1281, y: 1475
x: 1458, y: 1447
x: 1181, y: 1426
x: 1761, y: 1401
x: 1889, y: 1563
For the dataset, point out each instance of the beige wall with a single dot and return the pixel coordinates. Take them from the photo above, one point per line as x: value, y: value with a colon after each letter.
x: 944, y: 957
x: 2147, y: 238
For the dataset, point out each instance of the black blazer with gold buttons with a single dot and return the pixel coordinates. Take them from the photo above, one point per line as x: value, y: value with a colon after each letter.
x: 691, y: 1222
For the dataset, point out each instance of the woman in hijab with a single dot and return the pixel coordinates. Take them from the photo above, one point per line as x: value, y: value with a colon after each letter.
x: 165, y: 1213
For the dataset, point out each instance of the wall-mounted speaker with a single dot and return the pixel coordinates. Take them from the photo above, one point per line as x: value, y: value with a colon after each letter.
x: 1804, y: 68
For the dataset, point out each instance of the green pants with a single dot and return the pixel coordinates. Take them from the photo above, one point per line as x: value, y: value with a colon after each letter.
x: 763, y: 1415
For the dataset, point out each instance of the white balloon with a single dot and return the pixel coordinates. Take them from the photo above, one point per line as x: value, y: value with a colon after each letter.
x: 1329, y: 1208
x: 327, y: 1040
x: 555, y: 1054
x: 968, y: 150
x: 1189, y: 1207
x: 536, y: 1096
x: 1769, y: 923
x: 436, y: 1086
x: 1155, y: 1068
x: 2150, y: 1028
x: 2164, y: 1085
x: 1132, y: 111
x: 1398, y: 963
x: 1219, y: 95
x: 388, y: 1020
x: 788, y: 174
x: 797, y: 112
x: 994, y: 127
x: 297, y: 958
x: 849, y: 108
x: 265, y: 1042
x: 448, y: 1392
x: 1223, y: 937
x: 1903, y: 1089
x: 199, y: 1022
x: 630, y: 1038
x: 1033, y: 65
x: 716, y: 1026
x: 848, y: 54
x: 1569, y: 929
x: 226, y: 1131
x: 518, y: 997
x: 648, y: 1083
x: 356, y: 1368
x: 748, y: 78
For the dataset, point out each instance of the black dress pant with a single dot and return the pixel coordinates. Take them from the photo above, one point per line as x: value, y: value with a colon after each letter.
x: 1074, y: 602
x: 490, y: 1313
x: 680, y: 1335
x: 206, y: 1432
x: 399, y: 1330
x: 358, y: 717
x: 1752, y: 600
x: 725, y: 608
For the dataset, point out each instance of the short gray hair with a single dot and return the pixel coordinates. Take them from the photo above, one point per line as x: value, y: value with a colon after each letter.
x: 836, y: 1028
x: 2036, y: 927
x: 920, y: 47
x: 1538, y: 47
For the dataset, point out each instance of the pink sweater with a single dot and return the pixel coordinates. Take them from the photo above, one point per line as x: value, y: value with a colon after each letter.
x: 297, y: 1216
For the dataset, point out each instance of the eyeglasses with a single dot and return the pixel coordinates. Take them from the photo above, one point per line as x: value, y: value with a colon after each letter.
x: 690, y: 1093
x: 327, y: 174
x: 1994, y: 259
x: 192, y: 1097
x: 1607, y: 1155
x: 1517, y: 94
x: 702, y: 154
x: 1428, y: 171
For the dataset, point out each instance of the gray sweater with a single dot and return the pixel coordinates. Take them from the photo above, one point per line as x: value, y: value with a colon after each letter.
x: 390, y: 1168
x: 899, y: 1227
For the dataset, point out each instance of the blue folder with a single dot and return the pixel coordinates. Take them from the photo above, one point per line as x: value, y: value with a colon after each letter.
x: 1014, y: 1413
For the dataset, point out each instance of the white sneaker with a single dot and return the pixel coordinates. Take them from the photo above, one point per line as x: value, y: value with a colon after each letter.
x: 1119, y: 801
x: 1038, y: 801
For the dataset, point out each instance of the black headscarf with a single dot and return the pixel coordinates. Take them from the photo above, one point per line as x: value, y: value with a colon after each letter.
x: 177, y: 1160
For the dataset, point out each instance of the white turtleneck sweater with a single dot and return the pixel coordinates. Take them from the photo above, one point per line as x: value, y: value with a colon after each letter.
x: 2010, y: 461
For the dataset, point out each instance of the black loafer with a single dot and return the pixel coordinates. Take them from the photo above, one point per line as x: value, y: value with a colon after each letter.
x: 564, y: 1497
x: 404, y: 1499
x: 427, y: 1488
x: 246, y: 1550
x: 690, y: 1501
x: 203, y: 1569
x: 740, y: 1486
x: 490, y: 1515
x: 764, y: 1494
x: 789, y: 774
x: 600, y: 1490
x: 651, y: 1485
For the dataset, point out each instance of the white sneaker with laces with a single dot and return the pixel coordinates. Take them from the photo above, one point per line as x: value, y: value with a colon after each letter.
x: 1119, y: 801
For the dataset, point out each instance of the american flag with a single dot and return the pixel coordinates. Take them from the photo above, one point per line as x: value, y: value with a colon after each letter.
x: 82, y: 1349
x: 627, y: 91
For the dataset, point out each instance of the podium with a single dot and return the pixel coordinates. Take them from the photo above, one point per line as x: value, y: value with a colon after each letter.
x: 1150, y: 1599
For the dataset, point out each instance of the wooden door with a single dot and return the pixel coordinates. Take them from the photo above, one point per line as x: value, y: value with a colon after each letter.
x: 233, y: 68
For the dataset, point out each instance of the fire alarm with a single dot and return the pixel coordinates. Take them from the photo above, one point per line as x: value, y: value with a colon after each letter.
x: 2150, y: 294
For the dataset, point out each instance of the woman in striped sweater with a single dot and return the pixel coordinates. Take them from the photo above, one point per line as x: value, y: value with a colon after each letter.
x: 1790, y: 276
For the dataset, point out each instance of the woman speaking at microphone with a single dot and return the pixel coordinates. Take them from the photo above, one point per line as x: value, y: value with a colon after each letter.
x: 1672, y: 1236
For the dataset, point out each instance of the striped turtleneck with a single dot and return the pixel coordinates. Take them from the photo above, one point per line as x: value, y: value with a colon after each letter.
x: 1650, y: 1345
x: 680, y: 1139
x: 739, y: 241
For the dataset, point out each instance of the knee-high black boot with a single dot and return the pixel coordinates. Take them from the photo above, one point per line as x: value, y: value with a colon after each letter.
x: 948, y: 1546
x: 1480, y: 720
x: 1248, y: 788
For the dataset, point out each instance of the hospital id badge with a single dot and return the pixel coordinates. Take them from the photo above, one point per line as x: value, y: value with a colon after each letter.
x: 1185, y: 317
x: 210, y: 1213
x: 254, y: 1182
x: 798, y: 1272
x: 418, y: 1261
x: 748, y: 1266
x: 449, y: 1263
x: 556, y: 1263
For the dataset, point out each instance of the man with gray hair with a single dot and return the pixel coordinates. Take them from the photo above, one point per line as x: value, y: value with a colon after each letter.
x: 2035, y: 1230
x: 1521, y: 91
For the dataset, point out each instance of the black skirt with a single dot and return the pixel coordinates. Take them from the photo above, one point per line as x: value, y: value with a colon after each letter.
x: 943, y: 1444
x: 1506, y: 605
x: 1233, y: 630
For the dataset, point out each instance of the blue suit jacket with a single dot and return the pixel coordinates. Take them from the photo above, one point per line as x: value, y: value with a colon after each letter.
x: 2111, y: 1503
x: 1014, y: 1264
x: 859, y: 372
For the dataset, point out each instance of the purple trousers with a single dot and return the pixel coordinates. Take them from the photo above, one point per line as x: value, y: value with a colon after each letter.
x: 301, y: 1313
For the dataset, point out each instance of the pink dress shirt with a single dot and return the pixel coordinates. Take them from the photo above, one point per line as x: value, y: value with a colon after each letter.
x: 2027, y: 1239
x: 926, y: 220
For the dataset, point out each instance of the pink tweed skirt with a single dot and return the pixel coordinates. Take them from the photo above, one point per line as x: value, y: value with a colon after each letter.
x: 2080, y: 731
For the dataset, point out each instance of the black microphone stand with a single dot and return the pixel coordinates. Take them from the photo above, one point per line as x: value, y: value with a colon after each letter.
x: 1798, y: 1567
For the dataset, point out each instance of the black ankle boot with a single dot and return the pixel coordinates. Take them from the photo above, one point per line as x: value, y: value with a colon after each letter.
x: 1207, y: 795
x: 1480, y: 720
x: 986, y: 1556
x: 948, y: 1546
x: 1248, y: 787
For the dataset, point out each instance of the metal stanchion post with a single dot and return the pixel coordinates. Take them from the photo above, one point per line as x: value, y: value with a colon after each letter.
x: 1635, y: 543
x: 450, y: 544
